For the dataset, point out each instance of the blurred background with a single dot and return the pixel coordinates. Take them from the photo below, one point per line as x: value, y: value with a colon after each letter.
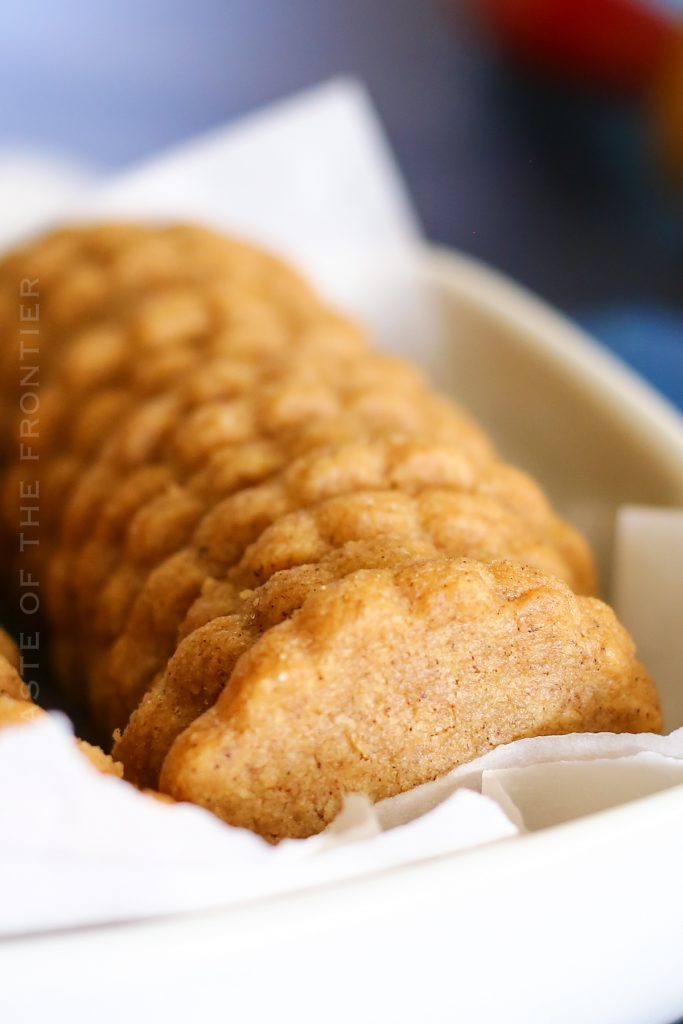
x: 544, y: 136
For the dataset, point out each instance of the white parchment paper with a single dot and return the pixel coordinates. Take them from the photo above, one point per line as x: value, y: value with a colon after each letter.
x: 313, y: 179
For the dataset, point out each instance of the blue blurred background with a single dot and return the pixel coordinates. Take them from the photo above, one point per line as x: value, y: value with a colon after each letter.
x: 551, y: 180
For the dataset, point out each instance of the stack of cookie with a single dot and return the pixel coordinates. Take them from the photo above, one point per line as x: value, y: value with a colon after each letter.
x: 276, y: 565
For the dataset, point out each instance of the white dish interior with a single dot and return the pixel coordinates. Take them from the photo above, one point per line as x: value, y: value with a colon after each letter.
x: 579, y: 922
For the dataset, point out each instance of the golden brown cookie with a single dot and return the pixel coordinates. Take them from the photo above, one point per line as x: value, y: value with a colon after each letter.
x: 389, y: 678
x: 11, y: 683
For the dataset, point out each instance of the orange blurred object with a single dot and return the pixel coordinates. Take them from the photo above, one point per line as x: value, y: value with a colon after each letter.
x: 667, y: 108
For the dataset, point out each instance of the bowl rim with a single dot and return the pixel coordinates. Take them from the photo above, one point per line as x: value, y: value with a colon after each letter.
x: 543, y: 328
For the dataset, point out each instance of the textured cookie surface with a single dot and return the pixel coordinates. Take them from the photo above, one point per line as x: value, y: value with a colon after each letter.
x: 504, y: 517
x: 390, y: 678
x: 11, y: 684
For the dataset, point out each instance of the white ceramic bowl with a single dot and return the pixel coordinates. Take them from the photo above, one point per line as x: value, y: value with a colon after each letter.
x: 581, y: 922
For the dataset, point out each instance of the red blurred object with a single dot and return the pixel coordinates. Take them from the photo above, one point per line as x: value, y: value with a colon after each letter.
x: 613, y: 43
